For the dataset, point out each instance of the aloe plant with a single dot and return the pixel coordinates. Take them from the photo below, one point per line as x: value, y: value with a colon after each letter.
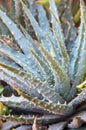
x: 43, y: 70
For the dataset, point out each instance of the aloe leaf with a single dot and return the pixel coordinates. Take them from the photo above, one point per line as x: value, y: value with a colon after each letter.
x: 41, y: 35
x: 43, y: 20
x: 21, y: 104
x: 22, y: 42
x: 78, y: 53
x: 21, y: 60
x: 17, y: 71
x: 81, y: 67
x: 58, y: 31
x: 44, y: 24
x: 78, y: 62
x: 63, y: 52
x: 45, y: 120
x: 7, y: 62
x: 16, y: 56
x: 45, y: 67
x: 54, y: 48
x: 72, y: 30
x: 12, y: 27
x: 14, y: 30
x: 38, y: 56
x: 81, y: 98
x: 42, y: 87
x: 51, y: 107
x: 32, y: 43
x: 62, y: 81
x: 15, y: 80
x: 49, y: 93
x: 56, y: 23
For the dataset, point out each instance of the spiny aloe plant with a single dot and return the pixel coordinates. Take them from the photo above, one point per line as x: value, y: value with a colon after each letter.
x: 44, y: 71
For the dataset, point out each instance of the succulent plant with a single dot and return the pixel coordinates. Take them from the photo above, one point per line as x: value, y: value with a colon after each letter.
x: 46, y: 70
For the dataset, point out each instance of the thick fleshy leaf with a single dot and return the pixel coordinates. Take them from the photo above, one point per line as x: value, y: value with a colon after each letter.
x: 14, y: 80
x: 14, y: 31
x: 78, y: 61
x: 55, y: 108
x: 21, y: 60
x: 79, y: 46
x: 42, y: 87
x: 56, y: 23
x: 20, y: 39
x: 58, y: 30
x: 44, y: 24
x: 81, y: 66
x: 39, y: 58
x: 60, y: 83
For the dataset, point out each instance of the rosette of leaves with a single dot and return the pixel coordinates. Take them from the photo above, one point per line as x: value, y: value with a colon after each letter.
x: 45, y: 70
